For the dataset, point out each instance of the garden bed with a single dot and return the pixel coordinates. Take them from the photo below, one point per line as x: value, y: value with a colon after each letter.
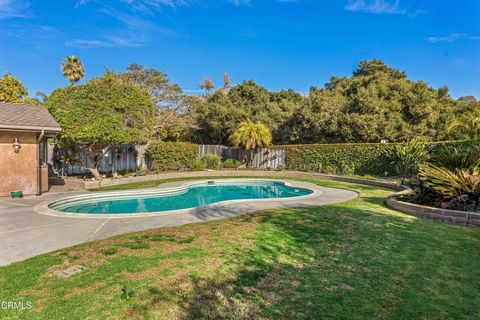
x: 445, y: 215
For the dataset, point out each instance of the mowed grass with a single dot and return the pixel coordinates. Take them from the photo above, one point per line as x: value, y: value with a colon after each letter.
x: 354, y: 260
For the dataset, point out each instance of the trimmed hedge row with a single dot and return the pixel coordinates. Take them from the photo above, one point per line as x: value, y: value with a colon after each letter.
x: 169, y: 156
x: 347, y: 159
x: 343, y: 159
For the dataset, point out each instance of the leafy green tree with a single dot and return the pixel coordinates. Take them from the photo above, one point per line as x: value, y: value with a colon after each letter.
x: 104, y: 112
x: 73, y: 70
x: 251, y: 136
x: 465, y: 123
x: 378, y: 102
x: 218, y: 115
x: 11, y: 89
x: 168, y: 97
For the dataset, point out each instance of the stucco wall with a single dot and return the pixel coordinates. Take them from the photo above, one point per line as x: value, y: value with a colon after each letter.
x: 44, y: 182
x: 18, y: 171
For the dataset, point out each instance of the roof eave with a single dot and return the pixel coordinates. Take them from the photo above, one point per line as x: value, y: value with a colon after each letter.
x: 54, y: 130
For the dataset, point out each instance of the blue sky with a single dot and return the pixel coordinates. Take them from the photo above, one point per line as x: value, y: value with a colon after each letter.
x: 278, y: 43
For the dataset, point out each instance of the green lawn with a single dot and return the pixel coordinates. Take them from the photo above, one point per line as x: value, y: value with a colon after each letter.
x: 355, y: 260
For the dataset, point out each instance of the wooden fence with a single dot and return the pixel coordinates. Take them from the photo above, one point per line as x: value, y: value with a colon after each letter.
x: 123, y: 157
x: 126, y: 157
x: 263, y: 158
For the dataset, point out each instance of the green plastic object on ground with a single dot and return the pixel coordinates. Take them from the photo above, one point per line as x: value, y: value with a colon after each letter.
x: 16, y: 194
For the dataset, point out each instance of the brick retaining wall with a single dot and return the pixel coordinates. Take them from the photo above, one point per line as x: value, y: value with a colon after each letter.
x: 448, y: 216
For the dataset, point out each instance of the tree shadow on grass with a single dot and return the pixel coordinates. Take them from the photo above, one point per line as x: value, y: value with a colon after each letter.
x: 330, y: 262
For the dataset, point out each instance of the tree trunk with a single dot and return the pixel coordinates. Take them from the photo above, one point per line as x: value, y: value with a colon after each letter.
x: 249, y: 157
x: 95, y: 173
x: 96, y: 157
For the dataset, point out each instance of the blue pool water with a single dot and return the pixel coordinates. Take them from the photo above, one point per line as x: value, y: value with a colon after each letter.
x: 195, y: 196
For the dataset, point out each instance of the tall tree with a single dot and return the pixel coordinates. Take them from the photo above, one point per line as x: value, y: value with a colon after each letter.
x: 11, y: 89
x: 378, y: 102
x: 219, y: 114
x: 101, y: 113
x: 171, y: 124
x: 73, y: 70
x: 251, y: 136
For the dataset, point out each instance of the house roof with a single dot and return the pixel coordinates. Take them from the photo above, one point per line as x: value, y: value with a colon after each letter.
x: 26, y: 117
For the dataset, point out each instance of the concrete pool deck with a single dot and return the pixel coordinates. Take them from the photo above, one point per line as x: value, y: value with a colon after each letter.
x: 25, y: 233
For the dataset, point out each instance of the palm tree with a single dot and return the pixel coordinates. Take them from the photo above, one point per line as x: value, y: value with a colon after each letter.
x: 467, y: 126
x: 251, y: 136
x: 206, y: 85
x: 73, y: 70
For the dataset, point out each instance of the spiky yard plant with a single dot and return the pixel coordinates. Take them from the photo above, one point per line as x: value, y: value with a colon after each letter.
x: 457, y: 158
x: 407, y: 157
x: 453, y: 184
x: 454, y: 174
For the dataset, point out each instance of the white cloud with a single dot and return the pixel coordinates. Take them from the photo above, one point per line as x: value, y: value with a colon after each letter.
x: 14, y: 9
x: 452, y: 37
x: 134, y: 31
x: 376, y: 6
x: 107, y: 42
x: 240, y: 2
x: 145, y: 5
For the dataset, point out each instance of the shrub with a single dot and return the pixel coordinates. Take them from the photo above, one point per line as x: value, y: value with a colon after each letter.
x: 197, y: 165
x: 453, y: 158
x: 460, y: 187
x: 232, y: 164
x: 164, y: 156
x: 355, y: 158
x: 407, y: 157
x: 212, y: 161
x: 359, y: 159
x: 452, y: 179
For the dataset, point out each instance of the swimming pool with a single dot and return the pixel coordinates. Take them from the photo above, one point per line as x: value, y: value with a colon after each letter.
x: 184, y: 197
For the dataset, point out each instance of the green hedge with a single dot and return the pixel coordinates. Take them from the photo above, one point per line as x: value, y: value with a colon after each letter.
x: 351, y: 159
x: 165, y: 156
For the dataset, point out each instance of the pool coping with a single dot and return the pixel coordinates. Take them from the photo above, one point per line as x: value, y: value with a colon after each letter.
x: 44, y: 207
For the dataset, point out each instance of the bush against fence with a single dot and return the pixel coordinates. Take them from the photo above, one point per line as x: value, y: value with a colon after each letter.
x: 166, y: 156
x: 342, y: 159
x: 356, y: 158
